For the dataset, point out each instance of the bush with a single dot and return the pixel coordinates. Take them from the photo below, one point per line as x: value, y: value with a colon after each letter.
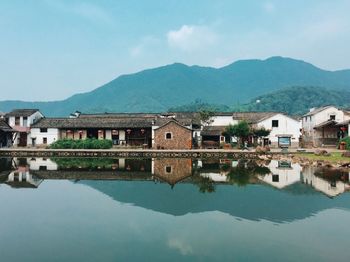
x: 82, y: 144
x: 347, y: 141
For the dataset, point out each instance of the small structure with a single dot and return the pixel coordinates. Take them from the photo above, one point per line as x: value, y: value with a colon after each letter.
x: 172, y: 135
x: 21, y: 120
x: 321, y: 126
x: 6, y: 134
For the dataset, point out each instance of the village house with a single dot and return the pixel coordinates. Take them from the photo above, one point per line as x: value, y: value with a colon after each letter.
x: 172, y: 135
x: 324, y: 126
x: 124, y: 131
x: 21, y: 120
x: 285, y: 130
x: 6, y: 134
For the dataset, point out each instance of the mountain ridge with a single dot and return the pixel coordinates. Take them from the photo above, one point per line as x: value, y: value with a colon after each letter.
x: 160, y: 88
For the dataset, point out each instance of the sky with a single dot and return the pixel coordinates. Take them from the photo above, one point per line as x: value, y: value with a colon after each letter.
x: 52, y: 49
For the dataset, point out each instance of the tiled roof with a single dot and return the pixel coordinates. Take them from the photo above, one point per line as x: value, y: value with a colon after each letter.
x: 317, y: 110
x: 5, y: 127
x: 253, y: 117
x: 96, y: 122
x: 212, y: 130
x: 22, y: 112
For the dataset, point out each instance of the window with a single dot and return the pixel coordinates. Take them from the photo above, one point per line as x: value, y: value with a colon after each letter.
x: 25, y: 121
x: 42, y: 168
x: 168, y: 169
x: 43, y: 130
x: 332, y: 117
x: 44, y: 140
x: 17, y: 121
x: 274, y: 123
x: 275, y: 178
x: 168, y: 136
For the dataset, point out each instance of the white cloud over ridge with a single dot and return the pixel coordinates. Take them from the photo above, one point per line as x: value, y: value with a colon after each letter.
x: 191, y: 37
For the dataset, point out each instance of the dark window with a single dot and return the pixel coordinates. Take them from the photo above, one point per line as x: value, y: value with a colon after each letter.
x: 274, y: 123
x: 168, y: 136
x: 17, y: 121
x: 168, y: 169
x: 25, y: 119
x: 42, y: 168
x: 45, y: 140
x: 275, y: 178
x: 43, y: 130
x: 332, y: 117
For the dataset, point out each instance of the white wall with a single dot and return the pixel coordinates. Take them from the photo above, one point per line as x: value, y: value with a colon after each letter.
x: 52, y: 135
x: 223, y: 121
x: 286, y: 126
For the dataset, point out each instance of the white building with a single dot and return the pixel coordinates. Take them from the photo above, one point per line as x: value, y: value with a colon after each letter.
x: 21, y: 120
x: 285, y: 130
x: 321, y: 126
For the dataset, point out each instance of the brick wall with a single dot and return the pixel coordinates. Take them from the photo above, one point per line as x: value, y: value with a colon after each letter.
x: 181, y: 137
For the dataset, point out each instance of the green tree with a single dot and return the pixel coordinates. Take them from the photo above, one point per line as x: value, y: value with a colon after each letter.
x: 240, y: 130
x: 206, y: 117
x: 261, y: 132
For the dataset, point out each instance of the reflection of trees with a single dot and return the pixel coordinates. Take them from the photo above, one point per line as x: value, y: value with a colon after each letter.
x: 245, y: 172
x: 84, y: 163
x: 332, y: 175
x: 206, y: 185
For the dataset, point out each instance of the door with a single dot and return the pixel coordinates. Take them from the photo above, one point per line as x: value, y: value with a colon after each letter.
x: 22, y: 139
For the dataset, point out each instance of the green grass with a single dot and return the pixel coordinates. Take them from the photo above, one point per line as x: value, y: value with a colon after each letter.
x: 334, y: 157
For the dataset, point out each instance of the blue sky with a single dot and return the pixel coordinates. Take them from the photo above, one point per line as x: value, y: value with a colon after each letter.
x: 50, y: 50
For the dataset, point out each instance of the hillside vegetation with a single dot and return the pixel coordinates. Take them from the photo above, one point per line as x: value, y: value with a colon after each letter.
x: 158, y: 89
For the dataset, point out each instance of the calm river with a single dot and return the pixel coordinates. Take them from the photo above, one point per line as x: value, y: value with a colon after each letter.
x: 171, y: 210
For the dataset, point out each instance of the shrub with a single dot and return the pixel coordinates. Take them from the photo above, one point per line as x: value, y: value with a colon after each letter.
x: 82, y: 144
x: 347, y: 141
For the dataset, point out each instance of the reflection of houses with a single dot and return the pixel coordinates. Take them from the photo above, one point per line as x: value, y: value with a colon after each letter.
x: 331, y: 188
x: 324, y: 126
x: 21, y: 120
x: 213, y: 171
x: 172, y: 170
x: 283, y: 173
x: 22, y: 178
x: 6, y: 134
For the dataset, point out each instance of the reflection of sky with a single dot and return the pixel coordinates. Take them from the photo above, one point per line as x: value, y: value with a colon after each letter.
x: 63, y: 221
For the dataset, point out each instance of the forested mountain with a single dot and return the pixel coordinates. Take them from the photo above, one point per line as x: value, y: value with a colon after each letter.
x: 161, y: 88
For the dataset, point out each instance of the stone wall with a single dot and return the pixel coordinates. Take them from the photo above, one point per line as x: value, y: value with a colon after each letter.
x: 181, y: 137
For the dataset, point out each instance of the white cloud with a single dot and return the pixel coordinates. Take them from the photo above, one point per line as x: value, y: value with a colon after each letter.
x: 191, y: 37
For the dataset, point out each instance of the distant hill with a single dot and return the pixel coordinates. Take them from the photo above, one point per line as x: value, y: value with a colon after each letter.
x: 161, y: 88
x: 298, y: 100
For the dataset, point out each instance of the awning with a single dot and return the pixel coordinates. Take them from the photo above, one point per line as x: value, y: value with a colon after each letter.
x: 327, y: 123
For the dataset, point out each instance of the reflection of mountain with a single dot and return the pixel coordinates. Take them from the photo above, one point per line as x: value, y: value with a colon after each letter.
x: 254, y: 202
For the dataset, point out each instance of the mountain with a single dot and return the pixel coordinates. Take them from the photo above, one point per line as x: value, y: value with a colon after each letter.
x: 297, y: 100
x: 158, y: 89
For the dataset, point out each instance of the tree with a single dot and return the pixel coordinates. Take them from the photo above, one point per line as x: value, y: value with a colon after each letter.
x: 206, y: 117
x: 240, y: 130
x: 261, y: 132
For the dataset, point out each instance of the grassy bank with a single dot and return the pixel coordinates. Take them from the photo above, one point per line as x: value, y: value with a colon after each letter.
x: 335, y: 157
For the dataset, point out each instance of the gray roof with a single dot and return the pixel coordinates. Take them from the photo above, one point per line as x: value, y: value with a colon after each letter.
x: 212, y: 130
x: 317, y: 110
x: 96, y: 122
x: 253, y: 117
x: 5, y: 127
x: 119, y: 115
x: 326, y: 123
x: 172, y: 121
x: 22, y: 112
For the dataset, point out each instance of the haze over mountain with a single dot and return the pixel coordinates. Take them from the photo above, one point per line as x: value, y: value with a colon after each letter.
x: 158, y: 89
